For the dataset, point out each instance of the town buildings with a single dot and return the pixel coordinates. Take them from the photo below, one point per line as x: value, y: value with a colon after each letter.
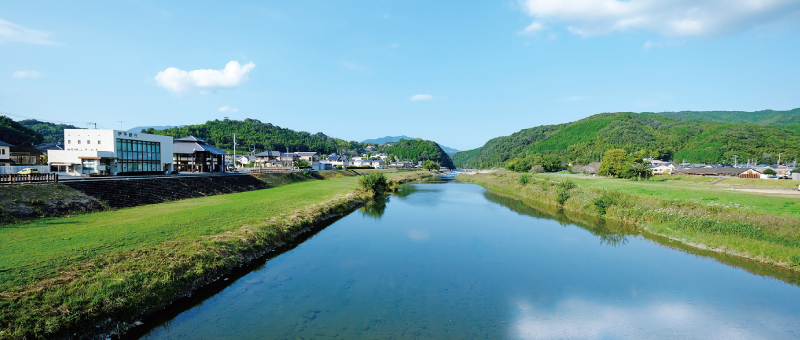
x: 111, y: 152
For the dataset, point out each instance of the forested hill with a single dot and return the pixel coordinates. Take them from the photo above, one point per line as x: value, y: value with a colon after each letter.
x: 252, y: 133
x: 764, y: 117
x: 15, y: 133
x: 50, y: 132
x: 647, y: 135
x: 418, y: 150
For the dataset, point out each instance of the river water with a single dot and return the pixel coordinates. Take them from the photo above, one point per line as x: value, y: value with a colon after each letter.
x: 455, y: 261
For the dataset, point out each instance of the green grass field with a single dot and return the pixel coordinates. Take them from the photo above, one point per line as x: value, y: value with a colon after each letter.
x: 700, y: 189
x: 36, y: 249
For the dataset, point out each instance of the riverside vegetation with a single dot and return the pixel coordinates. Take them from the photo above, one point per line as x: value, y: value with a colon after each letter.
x: 752, y: 226
x: 109, y: 269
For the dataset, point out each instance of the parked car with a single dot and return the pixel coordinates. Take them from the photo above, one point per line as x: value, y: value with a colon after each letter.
x: 28, y: 171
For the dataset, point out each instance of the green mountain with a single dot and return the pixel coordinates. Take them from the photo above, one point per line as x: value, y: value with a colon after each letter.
x: 418, y: 150
x: 50, y: 132
x: 394, y: 139
x: 765, y: 117
x: 16, y: 133
x: 646, y: 134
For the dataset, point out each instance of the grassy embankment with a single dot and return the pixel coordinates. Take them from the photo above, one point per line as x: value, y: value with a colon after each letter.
x: 763, y: 228
x: 69, y: 274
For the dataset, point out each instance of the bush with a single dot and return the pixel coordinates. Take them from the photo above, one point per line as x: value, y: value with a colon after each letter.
x: 525, y: 179
x: 769, y: 171
x: 374, y: 182
x: 605, y: 201
x: 563, y: 194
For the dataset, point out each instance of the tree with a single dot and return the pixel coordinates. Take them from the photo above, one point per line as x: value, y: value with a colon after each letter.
x: 430, y: 165
x: 301, y: 164
x: 613, y: 163
x: 769, y: 171
x: 638, y: 170
x: 551, y: 163
x: 374, y: 182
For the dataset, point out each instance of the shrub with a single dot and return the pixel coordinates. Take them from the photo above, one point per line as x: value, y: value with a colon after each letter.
x: 563, y: 194
x: 525, y: 179
x: 605, y: 201
x: 374, y: 182
x: 769, y: 171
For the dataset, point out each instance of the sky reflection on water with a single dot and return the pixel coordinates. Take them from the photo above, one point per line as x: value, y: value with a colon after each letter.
x: 453, y: 261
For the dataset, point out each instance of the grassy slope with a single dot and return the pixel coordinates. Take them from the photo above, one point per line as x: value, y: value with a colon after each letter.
x: 688, y: 189
x: 742, y: 224
x: 112, y: 264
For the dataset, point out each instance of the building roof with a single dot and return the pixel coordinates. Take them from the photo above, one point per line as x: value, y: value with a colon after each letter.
x: 27, y: 147
x: 306, y: 154
x: 190, y: 139
x: 187, y: 148
x: 712, y: 171
x: 2, y: 143
x: 269, y: 154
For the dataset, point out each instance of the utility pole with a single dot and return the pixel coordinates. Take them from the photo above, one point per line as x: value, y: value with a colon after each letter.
x: 734, y: 160
x: 779, y: 158
x: 234, y: 151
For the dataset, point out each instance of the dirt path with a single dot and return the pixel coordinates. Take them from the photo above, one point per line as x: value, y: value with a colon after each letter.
x: 769, y: 191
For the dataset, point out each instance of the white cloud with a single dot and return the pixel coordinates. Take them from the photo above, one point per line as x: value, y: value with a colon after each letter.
x: 227, y: 109
x: 26, y: 74
x: 534, y: 27
x: 15, y: 33
x: 421, y: 97
x: 676, y: 18
x: 204, y: 81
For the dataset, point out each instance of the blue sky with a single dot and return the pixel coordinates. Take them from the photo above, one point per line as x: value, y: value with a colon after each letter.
x: 459, y: 73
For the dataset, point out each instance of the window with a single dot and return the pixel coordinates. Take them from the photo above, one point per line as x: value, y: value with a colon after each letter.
x: 4, y: 151
x: 79, y: 141
x: 88, y: 142
x: 69, y: 141
x: 98, y: 142
x: 134, y: 155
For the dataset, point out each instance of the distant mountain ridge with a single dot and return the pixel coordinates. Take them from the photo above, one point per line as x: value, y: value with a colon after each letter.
x: 155, y: 127
x: 763, y: 117
x: 395, y: 139
x: 695, y: 137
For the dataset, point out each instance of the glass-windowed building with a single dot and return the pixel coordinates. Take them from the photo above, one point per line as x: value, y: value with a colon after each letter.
x: 111, y: 152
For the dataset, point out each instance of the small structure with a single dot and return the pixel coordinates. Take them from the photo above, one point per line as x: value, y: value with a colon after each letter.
x: 751, y: 173
x: 724, y: 172
x: 193, y: 154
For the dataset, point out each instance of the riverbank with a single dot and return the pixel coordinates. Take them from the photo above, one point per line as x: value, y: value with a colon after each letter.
x: 100, y: 272
x: 736, y: 223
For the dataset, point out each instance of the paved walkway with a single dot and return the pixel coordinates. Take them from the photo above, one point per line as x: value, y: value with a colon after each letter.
x: 769, y: 191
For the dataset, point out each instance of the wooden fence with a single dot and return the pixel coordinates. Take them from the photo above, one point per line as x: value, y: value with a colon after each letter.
x: 15, y: 178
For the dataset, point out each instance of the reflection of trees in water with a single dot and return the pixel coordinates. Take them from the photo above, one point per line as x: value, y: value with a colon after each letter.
x: 619, y: 238
x: 607, y: 236
x: 374, y: 208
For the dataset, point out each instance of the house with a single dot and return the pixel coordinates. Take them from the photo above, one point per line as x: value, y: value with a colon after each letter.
x: 193, y: 154
x: 370, y: 148
x: 26, y: 154
x: 246, y: 159
x: 5, y: 154
x: 337, y: 160
x: 663, y: 169
x: 111, y: 152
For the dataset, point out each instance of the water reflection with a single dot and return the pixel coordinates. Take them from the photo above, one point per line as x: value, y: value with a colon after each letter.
x: 608, y: 237
x: 374, y: 208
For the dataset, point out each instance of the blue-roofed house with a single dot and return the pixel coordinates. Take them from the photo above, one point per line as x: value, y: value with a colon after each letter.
x: 193, y: 154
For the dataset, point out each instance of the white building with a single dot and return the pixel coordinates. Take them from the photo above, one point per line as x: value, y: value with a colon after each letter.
x: 5, y: 154
x: 111, y: 152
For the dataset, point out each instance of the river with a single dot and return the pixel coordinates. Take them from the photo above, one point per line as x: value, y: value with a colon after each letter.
x: 455, y: 261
